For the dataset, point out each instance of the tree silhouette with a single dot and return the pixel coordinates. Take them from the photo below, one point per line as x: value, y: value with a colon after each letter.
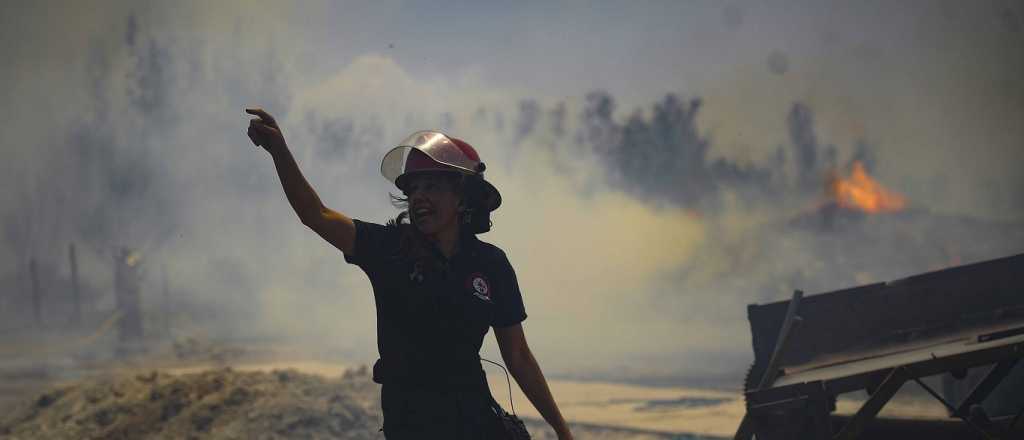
x: 805, y: 146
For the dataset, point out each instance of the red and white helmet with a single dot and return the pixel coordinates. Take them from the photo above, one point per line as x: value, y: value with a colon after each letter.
x: 435, y: 151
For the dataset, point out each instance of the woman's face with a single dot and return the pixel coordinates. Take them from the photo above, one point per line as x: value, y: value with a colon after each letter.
x: 433, y: 203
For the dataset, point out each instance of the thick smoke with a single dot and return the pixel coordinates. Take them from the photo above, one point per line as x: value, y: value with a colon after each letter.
x: 639, y: 231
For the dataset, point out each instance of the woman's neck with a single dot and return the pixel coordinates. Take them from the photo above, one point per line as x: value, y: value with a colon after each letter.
x: 447, y: 241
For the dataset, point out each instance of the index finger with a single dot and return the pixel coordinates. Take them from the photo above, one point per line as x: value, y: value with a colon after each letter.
x: 261, y: 113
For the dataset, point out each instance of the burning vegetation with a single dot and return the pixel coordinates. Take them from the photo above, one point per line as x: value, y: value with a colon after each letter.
x: 860, y: 192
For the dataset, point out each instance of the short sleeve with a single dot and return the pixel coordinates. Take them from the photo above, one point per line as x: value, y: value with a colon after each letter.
x: 508, y: 299
x: 372, y: 243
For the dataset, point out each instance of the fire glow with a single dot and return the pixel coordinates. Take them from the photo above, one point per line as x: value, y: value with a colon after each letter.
x: 862, y: 193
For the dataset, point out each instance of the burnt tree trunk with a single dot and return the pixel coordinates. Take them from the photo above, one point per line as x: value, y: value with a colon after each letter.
x: 37, y: 312
x: 167, y: 302
x: 75, y: 292
x: 126, y: 289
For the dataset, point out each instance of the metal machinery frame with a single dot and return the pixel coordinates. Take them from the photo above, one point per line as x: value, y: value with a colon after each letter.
x: 878, y: 337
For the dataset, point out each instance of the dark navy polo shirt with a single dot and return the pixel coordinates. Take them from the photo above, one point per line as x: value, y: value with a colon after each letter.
x: 430, y: 326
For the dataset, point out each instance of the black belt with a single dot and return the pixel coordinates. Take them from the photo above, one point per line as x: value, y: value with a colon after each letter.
x: 432, y: 378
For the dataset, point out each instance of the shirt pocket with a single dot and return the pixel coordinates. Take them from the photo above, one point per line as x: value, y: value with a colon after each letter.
x: 476, y: 310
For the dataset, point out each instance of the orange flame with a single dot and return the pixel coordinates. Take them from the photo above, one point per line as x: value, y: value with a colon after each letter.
x: 861, y: 192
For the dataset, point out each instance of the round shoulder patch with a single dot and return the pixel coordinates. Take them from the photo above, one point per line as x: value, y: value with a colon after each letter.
x: 477, y: 282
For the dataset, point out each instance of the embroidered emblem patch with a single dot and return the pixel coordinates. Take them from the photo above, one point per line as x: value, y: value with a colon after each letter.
x: 481, y: 289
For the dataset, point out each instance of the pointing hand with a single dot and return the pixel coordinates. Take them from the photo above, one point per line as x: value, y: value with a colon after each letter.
x: 264, y: 131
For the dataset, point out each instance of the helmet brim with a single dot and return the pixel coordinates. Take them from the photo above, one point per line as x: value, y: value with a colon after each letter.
x: 431, y: 151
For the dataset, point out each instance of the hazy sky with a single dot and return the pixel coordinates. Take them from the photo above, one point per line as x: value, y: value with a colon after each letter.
x: 935, y: 86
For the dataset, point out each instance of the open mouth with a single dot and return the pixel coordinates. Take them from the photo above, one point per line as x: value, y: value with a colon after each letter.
x: 422, y: 212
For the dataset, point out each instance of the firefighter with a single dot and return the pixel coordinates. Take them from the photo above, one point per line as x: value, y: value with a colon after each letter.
x: 438, y: 289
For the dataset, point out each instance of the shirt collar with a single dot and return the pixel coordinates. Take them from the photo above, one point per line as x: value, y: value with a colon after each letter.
x: 469, y: 245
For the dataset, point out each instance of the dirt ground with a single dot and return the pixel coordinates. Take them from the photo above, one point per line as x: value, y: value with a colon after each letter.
x: 214, y: 404
x: 65, y: 386
x: 226, y: 404
x: 190, y: 388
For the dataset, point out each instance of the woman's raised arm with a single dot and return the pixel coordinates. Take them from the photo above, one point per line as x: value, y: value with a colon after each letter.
x: 335, y: 227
